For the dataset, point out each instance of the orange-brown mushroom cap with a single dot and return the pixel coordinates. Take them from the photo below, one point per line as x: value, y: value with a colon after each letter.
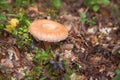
x: 48, y: 30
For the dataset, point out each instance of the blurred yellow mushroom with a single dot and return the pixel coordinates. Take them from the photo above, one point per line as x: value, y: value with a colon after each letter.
x: 12, y: 24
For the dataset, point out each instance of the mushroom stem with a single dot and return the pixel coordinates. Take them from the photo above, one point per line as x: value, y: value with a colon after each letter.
x: 46, y: 44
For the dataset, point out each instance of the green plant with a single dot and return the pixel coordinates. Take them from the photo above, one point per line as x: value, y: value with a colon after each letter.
x: 39, y: 59
x: 21, y: 33
x: 52, y: 13
x: 56, y: 4
x: 1, y: 26
x: 3, y: 2
x: 53, y: 7
x: 84, y: 19
x: 4, y: 5
x: 118, y: 51
x: 56, y: 66
x: 2, y: 20
x: 2, y: 17
x: 91, y: 21
x: 22, y: 36
x: 95, y: 4
x: 22, y: 3
x: 117, y: 77
x: 48, y: 67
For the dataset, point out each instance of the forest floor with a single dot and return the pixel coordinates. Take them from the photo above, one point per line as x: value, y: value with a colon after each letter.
x: 92, y: 49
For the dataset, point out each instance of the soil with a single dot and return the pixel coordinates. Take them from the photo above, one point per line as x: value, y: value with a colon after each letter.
x: 92, y: 47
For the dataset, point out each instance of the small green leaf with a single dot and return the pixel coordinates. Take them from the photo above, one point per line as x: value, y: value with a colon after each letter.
x: 1, y: 26
x: 118, y: 52
x: 2, y: 17
x: 95, y: 4
x: 116, y: 78
x: 106, y: 1
x: 117, y: 71
x: 43, y: 78
x: 3, y: 2
x: 37, y: 56
x: 57, y: 4
x: 95, y: 8
x: 28, y: 78
x: 83, y: 17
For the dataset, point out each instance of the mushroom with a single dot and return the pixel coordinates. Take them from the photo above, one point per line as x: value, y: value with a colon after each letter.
x: 48, y: 31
